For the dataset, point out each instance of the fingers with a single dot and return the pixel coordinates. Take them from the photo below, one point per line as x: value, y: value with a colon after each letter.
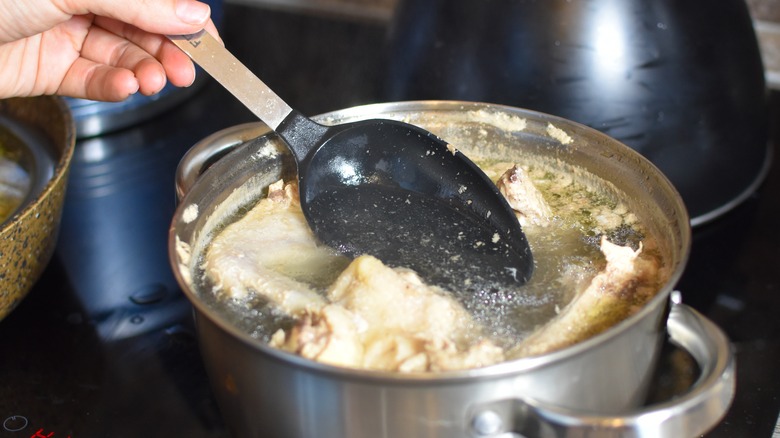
x: 90, y: 80
x: 106, y: 49
x: 175, y: 64
x: 103, y: 47
x: 115, y: 54
x: 111, y: 68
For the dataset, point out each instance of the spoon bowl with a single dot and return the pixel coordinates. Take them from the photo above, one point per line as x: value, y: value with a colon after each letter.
x: 386, y: 188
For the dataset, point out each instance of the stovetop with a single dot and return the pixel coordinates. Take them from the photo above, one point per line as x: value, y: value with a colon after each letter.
x: 103, y: 346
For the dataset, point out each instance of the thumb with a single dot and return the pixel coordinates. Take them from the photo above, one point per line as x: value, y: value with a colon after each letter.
x: 154, y: 16
x: 21, y: 19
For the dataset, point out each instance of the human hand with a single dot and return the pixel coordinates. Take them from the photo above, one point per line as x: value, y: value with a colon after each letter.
x: 95, y: 49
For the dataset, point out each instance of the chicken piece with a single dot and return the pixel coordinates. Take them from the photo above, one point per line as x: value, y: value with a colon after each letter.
x: 271, y: 251
x: 328, y: 335
x: 615, y: 293
x: 373, y: 316
x: 386, y: 319
x: 380, y: 318
x: 524, y: 198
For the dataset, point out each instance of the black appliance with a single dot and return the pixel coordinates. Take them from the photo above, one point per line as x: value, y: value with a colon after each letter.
x: 680, y: 82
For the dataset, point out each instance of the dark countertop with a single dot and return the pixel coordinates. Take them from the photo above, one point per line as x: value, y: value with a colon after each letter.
x: 107, y: 318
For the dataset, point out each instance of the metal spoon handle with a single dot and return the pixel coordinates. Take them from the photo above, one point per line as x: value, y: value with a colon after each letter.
x: 213, y: 57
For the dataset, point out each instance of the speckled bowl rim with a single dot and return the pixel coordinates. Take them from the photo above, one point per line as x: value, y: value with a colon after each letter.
x: 60, y: 170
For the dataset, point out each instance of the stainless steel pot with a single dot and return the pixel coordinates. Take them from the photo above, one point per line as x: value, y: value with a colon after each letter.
x: 593, y: 388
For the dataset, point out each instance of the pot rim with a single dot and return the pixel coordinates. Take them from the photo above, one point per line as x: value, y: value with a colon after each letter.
x: 498, y: 370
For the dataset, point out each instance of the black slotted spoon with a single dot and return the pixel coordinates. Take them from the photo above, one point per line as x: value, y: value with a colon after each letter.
x: 386, y: 188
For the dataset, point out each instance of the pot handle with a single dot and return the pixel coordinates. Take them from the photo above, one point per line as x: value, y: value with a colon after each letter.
x: 688, y: 415
x: 210, y: 149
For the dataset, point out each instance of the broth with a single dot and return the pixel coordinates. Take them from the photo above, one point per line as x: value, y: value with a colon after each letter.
x: 15, y: 179
x: 566, y: 250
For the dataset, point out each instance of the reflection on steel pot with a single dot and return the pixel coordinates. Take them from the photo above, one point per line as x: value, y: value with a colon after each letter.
x: 588, y: 389
x: 41, y: 132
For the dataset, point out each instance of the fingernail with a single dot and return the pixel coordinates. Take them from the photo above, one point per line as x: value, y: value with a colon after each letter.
x: 192, y: 12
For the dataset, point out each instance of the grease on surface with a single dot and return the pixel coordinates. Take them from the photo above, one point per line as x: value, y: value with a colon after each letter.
x: 559, y: 134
